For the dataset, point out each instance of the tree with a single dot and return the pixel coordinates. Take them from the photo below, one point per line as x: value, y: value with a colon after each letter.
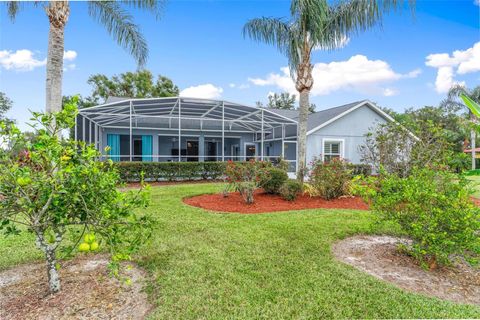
x: 56, y: 188
x: 283, y: 101
x: 111, y: 14
x: 140, y: 84
x: 5, y: 104
x: 454, y: 102
x: 397, y: 150
x: 314, y: 24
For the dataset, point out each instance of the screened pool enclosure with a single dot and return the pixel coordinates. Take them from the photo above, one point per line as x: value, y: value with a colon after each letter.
x: 187, y: 129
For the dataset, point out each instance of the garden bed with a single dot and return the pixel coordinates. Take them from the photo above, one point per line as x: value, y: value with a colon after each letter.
x: 270, y: 203
x: 87, y: 292
x: 379, y: 257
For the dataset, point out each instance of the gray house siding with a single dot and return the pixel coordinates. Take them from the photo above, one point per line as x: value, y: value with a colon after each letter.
x: 351, y: 129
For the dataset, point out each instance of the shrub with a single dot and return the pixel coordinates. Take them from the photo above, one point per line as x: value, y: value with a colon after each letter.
x: 331, y: 179
x: 170, y: 171
x: 309, y: 190
x: 55, y: 188
x: 245, y: 177
x: 290, y: 190
x: 273, y: 179
x: 433, y: 207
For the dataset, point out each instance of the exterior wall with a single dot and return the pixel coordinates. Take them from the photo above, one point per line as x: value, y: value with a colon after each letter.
x: 351, y: 128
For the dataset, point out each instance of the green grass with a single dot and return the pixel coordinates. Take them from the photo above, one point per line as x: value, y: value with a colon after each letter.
x: 475, y: 185
x: 206, y: 265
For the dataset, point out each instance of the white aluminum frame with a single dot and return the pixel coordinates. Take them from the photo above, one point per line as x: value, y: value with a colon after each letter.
x: 129, y: 113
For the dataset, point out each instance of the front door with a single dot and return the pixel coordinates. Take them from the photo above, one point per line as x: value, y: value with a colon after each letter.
x: 250, y: 152
x: 192, y: 150
x: 211, y: 151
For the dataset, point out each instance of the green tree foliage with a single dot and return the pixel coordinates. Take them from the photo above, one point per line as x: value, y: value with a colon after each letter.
x: 283, y: 101
x: 140, y: 84
x: 398, y: 150
x: 57, y: 189
x: 5, y: 104
x: 433, y: 207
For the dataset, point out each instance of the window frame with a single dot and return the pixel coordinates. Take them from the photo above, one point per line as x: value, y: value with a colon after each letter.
x: 341, y: 148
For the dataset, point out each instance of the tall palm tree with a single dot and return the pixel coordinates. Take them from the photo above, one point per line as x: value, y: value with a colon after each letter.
x: 314, y: 24
x: 111, y: 14
x: 454, y: 102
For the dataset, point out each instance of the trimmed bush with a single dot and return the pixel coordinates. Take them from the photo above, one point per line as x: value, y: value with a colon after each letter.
x: 170, y: 171
x: 331, y: 179
x: 290, y: 190
x: 273, y: 179
x: 433, y: 207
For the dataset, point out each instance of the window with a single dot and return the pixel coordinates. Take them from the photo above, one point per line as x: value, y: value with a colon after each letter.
x: 331, y: 150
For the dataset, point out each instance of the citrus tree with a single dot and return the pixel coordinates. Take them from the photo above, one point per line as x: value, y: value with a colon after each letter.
x: 57, y: 190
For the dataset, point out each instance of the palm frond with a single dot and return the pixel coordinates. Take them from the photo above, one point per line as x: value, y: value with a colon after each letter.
x: 120, y: 26
x: 355, y: 16
x: 156, y: 7
x: 273, y: 31
x: 13, y: 7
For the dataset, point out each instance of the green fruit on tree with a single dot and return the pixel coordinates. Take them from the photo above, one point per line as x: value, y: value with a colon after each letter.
x: 84, y: 247
x: 94, y: 246
x: 89, y: 237
x: 23, y: 181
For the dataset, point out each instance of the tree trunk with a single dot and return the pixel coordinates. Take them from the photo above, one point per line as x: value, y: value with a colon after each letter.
x: 53, y: 277
x: 303, y: 85
x: 57, y: 12
x: 302, y: 134
x: 51, y: 259
x: 473, y: 137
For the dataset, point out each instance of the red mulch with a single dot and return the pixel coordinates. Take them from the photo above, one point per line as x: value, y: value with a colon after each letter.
x: 271, y: 203
x: 476, y: 201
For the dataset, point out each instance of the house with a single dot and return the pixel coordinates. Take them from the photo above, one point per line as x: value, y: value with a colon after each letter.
x: 191, y: 129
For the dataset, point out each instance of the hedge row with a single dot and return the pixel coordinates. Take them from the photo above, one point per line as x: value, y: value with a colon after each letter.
x: 170, y: 171
x: 179, y: 171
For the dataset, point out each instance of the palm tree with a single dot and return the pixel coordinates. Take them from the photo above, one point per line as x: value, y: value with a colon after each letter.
x: 111, y: 14
x: 314, y: 24
x: 454, y: 102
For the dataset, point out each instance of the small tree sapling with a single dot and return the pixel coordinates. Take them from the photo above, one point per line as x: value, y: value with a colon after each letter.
x: 53, y: 186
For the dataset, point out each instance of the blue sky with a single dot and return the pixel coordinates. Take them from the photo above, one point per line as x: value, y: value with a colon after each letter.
x: 409, y: 62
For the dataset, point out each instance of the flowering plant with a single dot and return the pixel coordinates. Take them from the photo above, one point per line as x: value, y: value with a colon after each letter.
x: 245, y: 177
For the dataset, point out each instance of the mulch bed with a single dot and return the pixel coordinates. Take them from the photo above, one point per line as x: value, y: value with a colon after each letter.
x: 270, y: 203
x: 379, y: 256
x: 87, y: 292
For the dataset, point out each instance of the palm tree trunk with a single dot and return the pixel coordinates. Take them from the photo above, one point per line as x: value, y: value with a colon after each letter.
x: 302, y: 134
x: 473, y: 137
x: 303, y: 85
x: 57, y: 12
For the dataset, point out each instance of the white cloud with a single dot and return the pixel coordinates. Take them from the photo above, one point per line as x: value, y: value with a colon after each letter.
x: 477, y: 2
x: 20, y: 60
x: 205, y: 91
x: 69, y: 55
x: 241, y: 86
x: 25, y: 60
x: 357, y: 74
x: 388, y: 92
x: 459, y: 62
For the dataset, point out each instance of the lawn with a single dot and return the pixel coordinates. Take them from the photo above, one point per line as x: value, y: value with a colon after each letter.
x: 475, y: 185
x: 276, y: 266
